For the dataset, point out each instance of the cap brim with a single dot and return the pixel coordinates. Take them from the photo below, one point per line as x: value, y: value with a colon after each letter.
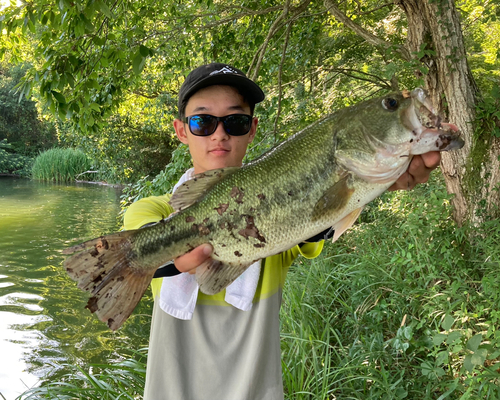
x: 250, y: 89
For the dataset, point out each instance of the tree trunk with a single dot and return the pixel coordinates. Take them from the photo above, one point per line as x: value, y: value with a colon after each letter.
x: 469, y: 172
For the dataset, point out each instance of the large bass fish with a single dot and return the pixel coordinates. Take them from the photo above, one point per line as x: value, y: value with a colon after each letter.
x: 319, y: 178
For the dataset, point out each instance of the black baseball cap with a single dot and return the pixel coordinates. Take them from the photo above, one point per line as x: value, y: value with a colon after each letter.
x: 218, y: 74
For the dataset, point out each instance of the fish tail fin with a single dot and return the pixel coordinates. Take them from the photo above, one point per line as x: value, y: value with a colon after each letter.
x: 105, y: 267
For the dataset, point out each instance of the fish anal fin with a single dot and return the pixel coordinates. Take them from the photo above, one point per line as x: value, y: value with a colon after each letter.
x: 345, y: 223
x: 336, y: 197
x: 105, y: 268
x: 214, y: 275
x: 190, y: 191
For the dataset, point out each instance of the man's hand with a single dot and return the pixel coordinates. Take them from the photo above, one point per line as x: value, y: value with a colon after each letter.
x: 190, y: 261
x: 418, y: 172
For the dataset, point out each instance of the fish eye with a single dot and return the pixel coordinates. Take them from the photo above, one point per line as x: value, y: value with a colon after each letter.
x: 390, y: 104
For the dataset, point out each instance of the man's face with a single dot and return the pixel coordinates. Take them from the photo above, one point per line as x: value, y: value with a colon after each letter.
x: 218, y: 150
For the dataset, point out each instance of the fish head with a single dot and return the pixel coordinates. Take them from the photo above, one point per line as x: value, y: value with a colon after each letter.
x: 379, y: 137
x: 429, y: 132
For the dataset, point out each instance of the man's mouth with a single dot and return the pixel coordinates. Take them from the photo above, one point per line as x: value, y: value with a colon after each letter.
x: 219, y: 151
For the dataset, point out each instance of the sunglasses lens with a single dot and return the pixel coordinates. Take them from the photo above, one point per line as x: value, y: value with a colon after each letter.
x: 237, y: 125
x: 202, y: 125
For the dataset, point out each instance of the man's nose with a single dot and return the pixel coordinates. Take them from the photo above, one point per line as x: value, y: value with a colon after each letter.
x: 220, y: 133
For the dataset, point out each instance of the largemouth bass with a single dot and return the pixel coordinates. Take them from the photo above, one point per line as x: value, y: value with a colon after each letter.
x: 319, y: 178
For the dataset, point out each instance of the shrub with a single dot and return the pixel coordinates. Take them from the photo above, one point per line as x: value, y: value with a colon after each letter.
x: 12, y: 163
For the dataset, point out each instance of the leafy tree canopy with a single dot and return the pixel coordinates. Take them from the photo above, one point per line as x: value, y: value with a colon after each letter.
x: 20, y: 122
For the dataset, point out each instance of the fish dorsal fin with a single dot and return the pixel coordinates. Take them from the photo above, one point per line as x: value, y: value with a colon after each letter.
x: 214, y: 275
x: 190, y: 191
x: 334, y: 198
x: 345, y: 223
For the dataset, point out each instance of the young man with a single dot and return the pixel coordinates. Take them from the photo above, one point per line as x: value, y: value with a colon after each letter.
x: 226, y: 346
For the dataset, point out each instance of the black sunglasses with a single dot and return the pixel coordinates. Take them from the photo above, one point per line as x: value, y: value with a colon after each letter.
x: 205, y: 124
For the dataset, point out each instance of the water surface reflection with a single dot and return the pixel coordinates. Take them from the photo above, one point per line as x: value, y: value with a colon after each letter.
x: 43, y: 323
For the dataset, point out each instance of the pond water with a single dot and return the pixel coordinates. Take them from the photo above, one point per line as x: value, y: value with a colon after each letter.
x: 43, y: 323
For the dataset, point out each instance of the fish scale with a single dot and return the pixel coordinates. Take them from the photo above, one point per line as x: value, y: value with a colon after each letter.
x: 319, y: 178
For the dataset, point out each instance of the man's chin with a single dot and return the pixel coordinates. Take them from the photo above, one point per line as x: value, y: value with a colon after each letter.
x: 221, y: 164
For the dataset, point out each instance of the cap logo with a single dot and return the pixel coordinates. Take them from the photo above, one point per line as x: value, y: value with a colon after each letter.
x: 225, y: 70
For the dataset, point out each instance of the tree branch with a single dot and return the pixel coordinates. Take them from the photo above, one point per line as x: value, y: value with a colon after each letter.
x: 280, y: 72
x: 359, y: 30
x: 270, y: 34
x: 275, y: 27
x: 374, y: 9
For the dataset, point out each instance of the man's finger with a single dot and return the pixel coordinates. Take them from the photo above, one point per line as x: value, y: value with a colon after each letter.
x: 190, y: 261
x: 431, y: 159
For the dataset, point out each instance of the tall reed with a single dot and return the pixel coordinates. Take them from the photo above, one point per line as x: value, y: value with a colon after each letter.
x: 60, y: 165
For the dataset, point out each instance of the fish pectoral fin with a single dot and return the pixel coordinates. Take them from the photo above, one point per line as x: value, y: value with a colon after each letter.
x: 214, y: 275
x: 104, y: 267
x: 335, y: 198
x: 190, y: 191
x: 345, y: 223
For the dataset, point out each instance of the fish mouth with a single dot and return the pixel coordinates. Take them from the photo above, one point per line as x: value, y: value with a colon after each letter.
x: 428, y: 126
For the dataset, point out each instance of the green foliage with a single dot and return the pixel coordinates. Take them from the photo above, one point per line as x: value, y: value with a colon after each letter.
x: 402, y: 306
x: 134, y: 143
x: 60, y: 165
x: 120, y: 380
x: 488, y: 115
x: 20, y: 122
x: 12, y: 163
x: 112, y: 71
x: 161, y: 183
x: 487, y: 131
x: 94, y: 55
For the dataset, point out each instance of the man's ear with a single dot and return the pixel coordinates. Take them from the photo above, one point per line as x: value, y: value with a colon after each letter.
x: 253, y: 130
x: 180, y: 131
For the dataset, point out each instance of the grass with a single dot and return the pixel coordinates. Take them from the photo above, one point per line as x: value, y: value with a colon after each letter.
x: 404, y: 306
x: 60, y: 165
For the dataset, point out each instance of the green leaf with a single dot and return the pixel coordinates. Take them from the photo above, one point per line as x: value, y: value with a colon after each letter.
x: 144, y: 50
x: 426, y: 367
x: 102, y: 7
x: 469, y: 366
x: 453, y: 336
x: 439, y: 338
x: 94, y: 84
x: 476, y: 359
x: 88, y: 25
x: 70, y: 79
x: 138, y: 63
x: 442, y: 358
x: 98, y: 41
x: 447, y: 322
x: 73, y: 60
x: 474, y: 342
x: 59, y: 97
